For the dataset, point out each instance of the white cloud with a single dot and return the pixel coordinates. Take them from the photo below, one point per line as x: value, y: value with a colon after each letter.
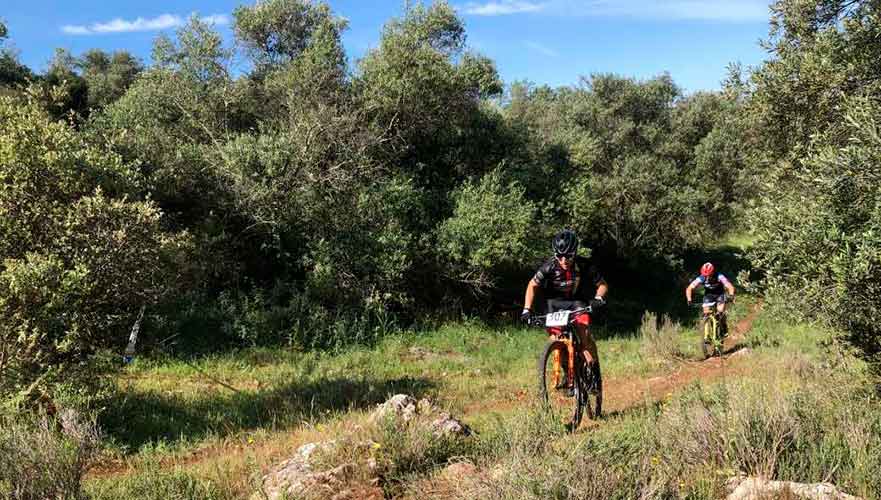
x: 716, y: 10
x: 542, y: 49
x: 711, y: 10
x: 502, y: 7
x: 216, y: 19
x: 120, y: 25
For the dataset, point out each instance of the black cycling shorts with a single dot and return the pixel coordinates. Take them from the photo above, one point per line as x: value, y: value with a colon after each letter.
x: 555, y: 305
x: 718, y: 298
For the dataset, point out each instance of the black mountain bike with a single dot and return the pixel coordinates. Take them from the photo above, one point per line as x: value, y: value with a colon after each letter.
x: 566, y: 385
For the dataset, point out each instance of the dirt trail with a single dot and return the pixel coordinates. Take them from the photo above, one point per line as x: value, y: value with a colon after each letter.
x: 622, y: 394
x: 627, y: 393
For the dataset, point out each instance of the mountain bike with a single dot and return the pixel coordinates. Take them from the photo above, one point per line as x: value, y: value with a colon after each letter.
x: 566, y: 385
x: 713, y: 338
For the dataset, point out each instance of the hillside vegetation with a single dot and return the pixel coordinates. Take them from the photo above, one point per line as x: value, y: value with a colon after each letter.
x: 298, y: 237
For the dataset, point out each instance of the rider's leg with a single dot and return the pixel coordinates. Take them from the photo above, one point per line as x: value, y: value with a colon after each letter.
x: 590, y: 347
x: 723, y: 318
x: 559, y: 377
x: 591, y: 354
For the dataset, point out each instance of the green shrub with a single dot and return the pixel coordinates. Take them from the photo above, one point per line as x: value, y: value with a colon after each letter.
x: 43, y: 457
x: 493, y: 226
x: 75, y: 264
x: 660, y: 339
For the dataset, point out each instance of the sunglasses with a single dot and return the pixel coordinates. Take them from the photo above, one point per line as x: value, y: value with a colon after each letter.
x: 567, y: 256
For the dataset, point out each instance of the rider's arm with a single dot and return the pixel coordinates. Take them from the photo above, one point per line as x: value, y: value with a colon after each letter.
x: 689, y: 289
x: 729, y: 288
x: 602, y: 289
x: 530, y: 294
x: 537, y: 282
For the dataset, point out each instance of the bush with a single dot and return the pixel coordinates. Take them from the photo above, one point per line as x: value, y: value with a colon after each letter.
x: 44, y: 457
x: 660, y: 339
x: 493, y: 226
x: 821, y: 253
x: 75, y: 264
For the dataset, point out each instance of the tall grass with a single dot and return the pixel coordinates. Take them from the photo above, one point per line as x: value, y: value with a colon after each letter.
x: 661, y: 340
x: 816, y: 426
x: 153, y: 482
x: 45, y: 457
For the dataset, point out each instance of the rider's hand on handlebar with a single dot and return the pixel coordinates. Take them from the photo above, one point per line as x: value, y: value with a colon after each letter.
x: 526, y: 316
x: 597, y: 303
x: 690, y: 303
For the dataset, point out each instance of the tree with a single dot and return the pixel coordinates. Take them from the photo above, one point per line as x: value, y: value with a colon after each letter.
x: 107, y: 76
x: 423, y: 86
x: 12, y: 72
x: 75, y: 263
x: 616, y: 159
x: 276, y: 32
x: 62, y: 90
x: 816, y: 103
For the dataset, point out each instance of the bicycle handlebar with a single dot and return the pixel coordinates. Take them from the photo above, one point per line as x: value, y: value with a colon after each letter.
x: 540, y: 319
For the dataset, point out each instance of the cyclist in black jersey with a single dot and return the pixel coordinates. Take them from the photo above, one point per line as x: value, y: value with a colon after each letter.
x: 567, y: 281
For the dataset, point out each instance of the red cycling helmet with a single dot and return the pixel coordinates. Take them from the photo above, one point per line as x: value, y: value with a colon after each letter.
x: 707, y: 269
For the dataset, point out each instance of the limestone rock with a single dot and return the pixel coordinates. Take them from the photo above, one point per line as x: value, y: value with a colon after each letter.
x: 751, y: 488
x: 446, y: 425
x: 402, y: 406
x: 294, y: 475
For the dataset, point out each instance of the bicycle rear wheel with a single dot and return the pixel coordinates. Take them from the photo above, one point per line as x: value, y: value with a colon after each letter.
x: 564, y: 399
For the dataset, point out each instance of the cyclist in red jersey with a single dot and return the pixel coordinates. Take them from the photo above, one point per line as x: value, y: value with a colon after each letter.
x: 567, y: 281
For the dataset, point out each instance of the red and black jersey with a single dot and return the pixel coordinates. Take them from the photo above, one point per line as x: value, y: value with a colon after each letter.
x: 579, y: 282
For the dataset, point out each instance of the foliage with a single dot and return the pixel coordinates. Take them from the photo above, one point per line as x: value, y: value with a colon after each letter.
x: 630, y: 161
x: 76, y: 264
x: 318, y: 199
x: 12, y: 72
x: 277, y: 32
x: 493, y: 226
x: 107, y: 76
x: 44, y: 457
x: 817, y: 103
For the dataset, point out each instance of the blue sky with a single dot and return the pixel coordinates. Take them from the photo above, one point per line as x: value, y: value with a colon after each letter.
x: 544, y: 41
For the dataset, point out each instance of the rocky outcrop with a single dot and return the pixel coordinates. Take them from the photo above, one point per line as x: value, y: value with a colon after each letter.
x: 447, y: 425
x: 296, y: 477
x: 751, y: 488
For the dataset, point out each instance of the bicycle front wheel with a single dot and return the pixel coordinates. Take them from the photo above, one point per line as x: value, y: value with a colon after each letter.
x: 559, y: 393
x: 707, y: 327
x: 592, y: 391
x: 711, y: 343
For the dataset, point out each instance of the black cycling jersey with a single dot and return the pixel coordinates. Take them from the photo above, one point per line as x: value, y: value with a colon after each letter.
x: 579, y: 282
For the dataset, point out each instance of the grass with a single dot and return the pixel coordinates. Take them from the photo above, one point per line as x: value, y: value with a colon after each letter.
x: 793, y: 408
x: 287, y: 398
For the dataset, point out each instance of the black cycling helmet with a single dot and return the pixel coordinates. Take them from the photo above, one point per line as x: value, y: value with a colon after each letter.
x: 565, y: 243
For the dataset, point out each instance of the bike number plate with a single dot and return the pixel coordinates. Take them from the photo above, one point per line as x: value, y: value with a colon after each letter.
x: 559, y: 318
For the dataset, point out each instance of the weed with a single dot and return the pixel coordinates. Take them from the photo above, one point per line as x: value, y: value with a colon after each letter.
x: 45, y: 457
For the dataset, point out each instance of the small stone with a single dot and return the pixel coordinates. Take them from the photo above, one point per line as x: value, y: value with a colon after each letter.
x: 446, y: 425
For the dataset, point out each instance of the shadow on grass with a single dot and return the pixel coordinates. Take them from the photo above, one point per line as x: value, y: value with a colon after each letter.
x: 138, y: 418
